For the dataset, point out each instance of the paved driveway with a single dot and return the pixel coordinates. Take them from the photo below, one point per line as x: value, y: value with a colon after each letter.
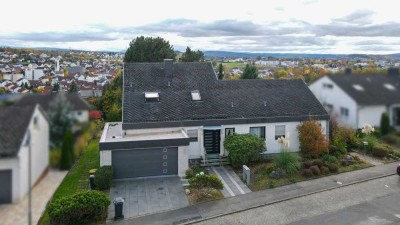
x: 148, y: 195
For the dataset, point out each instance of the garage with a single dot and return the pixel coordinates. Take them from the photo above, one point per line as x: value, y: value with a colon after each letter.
x: 6, y: 186
x: 145, y: 162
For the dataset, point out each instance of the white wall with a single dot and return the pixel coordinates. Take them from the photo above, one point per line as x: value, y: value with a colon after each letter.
x: 81, y: 115
x: 337, y: 98
x: 105, y: 158
x: 12, y: 163
x: 371, y: 115
x: 183, y: 160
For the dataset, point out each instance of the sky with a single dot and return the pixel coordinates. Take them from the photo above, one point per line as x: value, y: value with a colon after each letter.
x: 279, y: 26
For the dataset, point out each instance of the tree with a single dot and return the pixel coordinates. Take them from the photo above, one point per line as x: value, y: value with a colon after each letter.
x: 312, y: 141
x: 2, y: 90
x: 67, y: 153
x: 243, y: 148
x: 149, y: 49
x: 192, y: 56
x: 65, y: 71
x: 73, y: 88
x: 280, y: 74
x: 250, y: 72
x: 220, y: 71
x: 385, y: 124
x: 60, y: 119
x: 56, y: 87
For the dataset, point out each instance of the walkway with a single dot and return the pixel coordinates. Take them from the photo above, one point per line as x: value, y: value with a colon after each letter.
x: 17, y: 214
x: 367, y: 158
x: 232, y: 184
x: 239, y: 203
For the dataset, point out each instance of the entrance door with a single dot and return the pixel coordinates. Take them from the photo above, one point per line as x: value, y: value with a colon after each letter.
x: 212, y: 140
x: 396, y: 116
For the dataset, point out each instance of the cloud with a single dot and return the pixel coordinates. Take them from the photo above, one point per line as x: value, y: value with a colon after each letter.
x: 360, y: 17
x: 60, y: 36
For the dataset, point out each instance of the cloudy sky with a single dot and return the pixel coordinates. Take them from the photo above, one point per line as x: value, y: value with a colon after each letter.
x: 299, y: 26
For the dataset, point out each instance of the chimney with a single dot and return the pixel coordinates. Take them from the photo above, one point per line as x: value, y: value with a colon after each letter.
x: 393, y: 71
x: 168, y: 67
x: 347, y: 71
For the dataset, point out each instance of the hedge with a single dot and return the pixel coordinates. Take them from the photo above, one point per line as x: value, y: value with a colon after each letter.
x: 103, y: 178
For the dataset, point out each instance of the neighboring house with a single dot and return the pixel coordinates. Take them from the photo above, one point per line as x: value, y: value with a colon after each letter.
x: 360, y: 99
x: 16, y: 122
x: 33, y: 74
x: 22, y: 81
x: 180, y: 113
x: 79, y: 107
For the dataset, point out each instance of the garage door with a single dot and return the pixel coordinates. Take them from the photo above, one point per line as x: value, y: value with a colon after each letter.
x: 145, y: 162
x: 5, y: 186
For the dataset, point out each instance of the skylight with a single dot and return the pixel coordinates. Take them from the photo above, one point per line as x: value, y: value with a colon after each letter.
x: 390, y: 87
x: 151, y: 96
x: 196, y: 95
x: 358, y: 87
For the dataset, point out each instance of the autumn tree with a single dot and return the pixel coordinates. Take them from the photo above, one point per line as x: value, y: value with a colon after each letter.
x: 192, y: 56
x: 250, y: 72
x: 149, y: 49
x: 278, y: 74
x: 313, y: 143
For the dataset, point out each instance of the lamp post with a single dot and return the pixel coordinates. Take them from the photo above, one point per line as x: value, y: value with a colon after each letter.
x: 28, y: 143
x: 365, y: 147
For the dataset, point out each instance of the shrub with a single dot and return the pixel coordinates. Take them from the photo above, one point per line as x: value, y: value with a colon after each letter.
x: 333, y: 168
x: 315, y: 170
x: 318, y: 163
x: 392, y: 139
x: 191, y: 172
x: 205, y: 181
x: 243, y: 148
x: 103, y: 178
x: 372, y: 142
x: 385, y: 124
x: 86, y: 207
x: 67, y: 155
x: 345, y: 139
x: 330, y: 159
x: 306, y: 173
x: 324, y: 170
x: 55, y: 156
x: 288, y: 161
x: 307, y: 164
x: 271, y: 184
x: 94, y: 115
x: 396, y: 153
x: 312, y: 141
x: 380, y: 151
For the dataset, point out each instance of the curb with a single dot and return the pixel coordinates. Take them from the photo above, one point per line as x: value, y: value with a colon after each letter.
x: 286, y: 199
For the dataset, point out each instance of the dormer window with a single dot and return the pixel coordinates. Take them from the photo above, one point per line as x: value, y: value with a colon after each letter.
x: 152, y: 96
x: 389, y: 87
x: 358, y: 87
x: 196, y: 95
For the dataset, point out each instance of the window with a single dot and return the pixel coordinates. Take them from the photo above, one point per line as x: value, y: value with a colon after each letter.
x: 389, y: 87
x: 280, y: 131
x: 328, y: 107
x: 344, y: 111
x: 327, y: 86
x: 258, y: 131
x: 229, y: 131
x: 358, y: 87
x: 152, y: 97
x: 79, y: 113
x: 196, y: 95
x: 35, y: 122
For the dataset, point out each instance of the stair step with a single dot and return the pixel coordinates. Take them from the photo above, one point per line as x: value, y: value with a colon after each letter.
x: 216, y: 163
x: 215, y: 160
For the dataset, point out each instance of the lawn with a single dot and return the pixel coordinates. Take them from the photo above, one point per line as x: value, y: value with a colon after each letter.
x: 78, y: 177
x: 233, y: 64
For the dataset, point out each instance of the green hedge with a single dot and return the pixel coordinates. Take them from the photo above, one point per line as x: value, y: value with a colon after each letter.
x: 380, y: 151
x: 243, y: 148
x: 205, y: 181
x: 103, y: 178
x: 86, y: 207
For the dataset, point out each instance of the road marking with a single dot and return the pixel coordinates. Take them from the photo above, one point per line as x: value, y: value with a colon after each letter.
x: 223, y: 182
x: 233, y: 181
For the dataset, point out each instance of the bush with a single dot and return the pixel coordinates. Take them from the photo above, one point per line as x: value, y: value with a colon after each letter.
x: 372, y: 142
x: 205, y: 181
x: 103, y: 178
x: 312, y: 141
x: 55, y: 156
x: 243, y: 148
x: 333, y: 168
x: 86, y: 207
x: 288, y: 161
x: 380, y: 151
x: 191, y: 172
x: 324, y: 170
x: 315, y: 170
x: 307, y: 164
x: 307, y: 173
x: 392, y: 139
x: 330, y: 159
x: 385, y: 124
x: 318, y: 163
x: 345, y: 139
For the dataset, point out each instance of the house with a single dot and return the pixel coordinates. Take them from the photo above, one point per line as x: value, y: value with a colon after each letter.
x: 15, y: 145
x: 33, y: 74
x: 360, y: 99
x: 79, y: 107
x: 22, y: 81
x: 176, y: 114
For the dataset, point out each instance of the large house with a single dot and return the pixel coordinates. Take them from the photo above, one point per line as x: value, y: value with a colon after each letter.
x: 175, y: 114
x: 17, y: 124
x: 360, y: 99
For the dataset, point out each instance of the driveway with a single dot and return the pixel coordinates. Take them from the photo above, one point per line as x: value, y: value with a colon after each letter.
x: 148, y: 195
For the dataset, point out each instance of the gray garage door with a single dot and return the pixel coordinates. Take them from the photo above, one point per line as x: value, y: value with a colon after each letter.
x: 5, y: 186
x: 145, y: 162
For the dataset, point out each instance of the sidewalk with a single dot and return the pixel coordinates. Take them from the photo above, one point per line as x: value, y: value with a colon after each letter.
x: 254, y: 199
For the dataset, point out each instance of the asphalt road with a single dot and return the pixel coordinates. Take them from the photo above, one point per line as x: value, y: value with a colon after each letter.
x: 375, y: 202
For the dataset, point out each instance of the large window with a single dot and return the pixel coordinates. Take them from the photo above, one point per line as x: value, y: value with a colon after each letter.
x: 344, y: 111
x: 327, y: 86
x: 229, y: 131
x: 258, y: 131
x: 280, y: 131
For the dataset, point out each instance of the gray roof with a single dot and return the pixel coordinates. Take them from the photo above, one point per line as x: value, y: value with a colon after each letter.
x: 14, y: 121
x: 374, y: 93
x: 222, y: 101
x: 45, y: 100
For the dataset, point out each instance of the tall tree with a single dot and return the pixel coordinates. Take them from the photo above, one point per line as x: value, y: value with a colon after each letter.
x: 60, y: 119
x: 56, y: 87
x: 149, y: 49
x: 73, y: 88
x: 192, y: 56
x: 67, y: 154
x: 250, y: 72
x: 220, y: 71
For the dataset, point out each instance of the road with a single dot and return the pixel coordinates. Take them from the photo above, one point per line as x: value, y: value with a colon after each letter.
x: 375, y: 202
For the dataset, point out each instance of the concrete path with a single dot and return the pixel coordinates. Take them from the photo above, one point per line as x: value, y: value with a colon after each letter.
x: 232, y: 184
x: 145, y: 196
x: 367, y: 158
x: 15, y: 214
x: 239, y: 203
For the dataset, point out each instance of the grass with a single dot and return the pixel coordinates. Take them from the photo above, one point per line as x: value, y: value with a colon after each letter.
x: 214, y: 195
x: 233, y: 64
x: 78, y: 177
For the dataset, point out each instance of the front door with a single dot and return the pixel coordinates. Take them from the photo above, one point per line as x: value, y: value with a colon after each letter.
x: 396, y: 116
x: 212, y: 140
